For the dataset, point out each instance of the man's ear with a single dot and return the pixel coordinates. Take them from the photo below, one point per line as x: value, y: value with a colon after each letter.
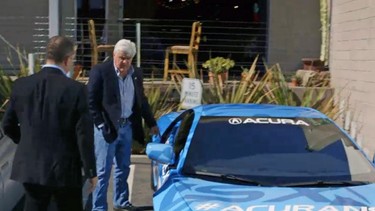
x: 65, y: 61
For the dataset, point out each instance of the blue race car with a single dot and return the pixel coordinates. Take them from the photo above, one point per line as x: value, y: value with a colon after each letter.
x: 247, y: 157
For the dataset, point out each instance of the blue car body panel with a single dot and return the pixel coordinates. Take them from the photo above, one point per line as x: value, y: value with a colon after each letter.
x: 263, y: 110
x: 180, y: 192
x: 184, y: 193
x: 166, y: 119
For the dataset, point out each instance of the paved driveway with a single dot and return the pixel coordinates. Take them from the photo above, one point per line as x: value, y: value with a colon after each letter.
x: 139, y: 182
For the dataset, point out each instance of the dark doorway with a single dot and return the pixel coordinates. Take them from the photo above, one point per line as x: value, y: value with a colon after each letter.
x: 88, y: 9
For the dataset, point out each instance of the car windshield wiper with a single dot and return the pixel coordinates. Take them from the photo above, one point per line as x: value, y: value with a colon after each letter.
x: 230, y: 177
x: 321, y: 183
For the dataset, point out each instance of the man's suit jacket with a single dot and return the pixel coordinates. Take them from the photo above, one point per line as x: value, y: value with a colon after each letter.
x: 48, y: 118
x: 105, y: 101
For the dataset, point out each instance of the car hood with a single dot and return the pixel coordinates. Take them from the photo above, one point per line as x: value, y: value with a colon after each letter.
x: 197, y: 194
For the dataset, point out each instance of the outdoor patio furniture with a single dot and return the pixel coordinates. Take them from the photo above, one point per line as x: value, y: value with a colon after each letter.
x: 95, y: 48
x: 191, y: 51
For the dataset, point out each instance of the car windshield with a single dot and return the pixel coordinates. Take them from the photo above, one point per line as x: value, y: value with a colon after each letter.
x: 276, y: 151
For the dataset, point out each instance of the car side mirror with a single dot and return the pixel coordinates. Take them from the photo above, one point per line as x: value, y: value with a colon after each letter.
x: 373, y: 159
x: 159, y: 152
x: 156, y: 139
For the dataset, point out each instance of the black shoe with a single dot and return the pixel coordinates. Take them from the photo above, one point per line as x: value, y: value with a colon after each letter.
x: 126, y: 207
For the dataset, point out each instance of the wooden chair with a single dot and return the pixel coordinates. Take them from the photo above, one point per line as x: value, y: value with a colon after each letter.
x: 78, y: 72
x: 191, y: 51
x: 95, y: 48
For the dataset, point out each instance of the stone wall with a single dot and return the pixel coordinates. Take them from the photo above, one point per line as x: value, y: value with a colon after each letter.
x: 352, y: 66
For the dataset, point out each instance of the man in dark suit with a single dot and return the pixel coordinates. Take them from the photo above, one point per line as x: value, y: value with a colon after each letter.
x: 49, y: 119
x: 117, y: 104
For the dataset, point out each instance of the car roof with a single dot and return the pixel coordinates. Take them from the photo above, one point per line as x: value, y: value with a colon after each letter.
x: 257, y: 110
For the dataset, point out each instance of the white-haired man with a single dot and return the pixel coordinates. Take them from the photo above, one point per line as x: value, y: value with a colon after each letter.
x: 117, y: 104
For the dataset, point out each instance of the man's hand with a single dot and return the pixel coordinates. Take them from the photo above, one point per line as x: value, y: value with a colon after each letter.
x: 109, y: 135
x: 155, y: 130
x: 92, y: 181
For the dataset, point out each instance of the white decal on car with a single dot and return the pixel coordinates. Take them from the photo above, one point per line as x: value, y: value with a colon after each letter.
x: 237, y: 121
x: 297, y: 207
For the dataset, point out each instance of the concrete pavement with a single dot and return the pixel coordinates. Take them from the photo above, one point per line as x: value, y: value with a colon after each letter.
x: 139, y: 184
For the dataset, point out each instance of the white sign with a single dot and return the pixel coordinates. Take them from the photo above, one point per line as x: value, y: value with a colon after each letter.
x: 191, y: 94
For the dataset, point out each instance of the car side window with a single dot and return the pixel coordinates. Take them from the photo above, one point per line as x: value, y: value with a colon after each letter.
x: 171, y: 137
x: 173, y: 126
x: 182, y: 133
x: 177, y: 133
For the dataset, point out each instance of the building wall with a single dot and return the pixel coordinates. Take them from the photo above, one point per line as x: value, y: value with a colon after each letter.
x: 22, y: 23
x: 352, y: 62
x: 17, y: 22
x: 294, y: 32
x: 293, y: 28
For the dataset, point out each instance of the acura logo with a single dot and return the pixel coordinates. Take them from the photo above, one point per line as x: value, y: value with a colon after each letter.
x: 235, y: 121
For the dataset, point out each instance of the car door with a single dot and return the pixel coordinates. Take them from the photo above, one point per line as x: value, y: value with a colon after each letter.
x: 175, y: 135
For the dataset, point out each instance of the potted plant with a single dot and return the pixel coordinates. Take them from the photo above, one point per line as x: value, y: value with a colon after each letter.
x: 295, y: 81
x: 218, y: 67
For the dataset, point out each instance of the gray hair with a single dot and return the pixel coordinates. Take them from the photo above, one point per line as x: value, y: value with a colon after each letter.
x: 125, y: 46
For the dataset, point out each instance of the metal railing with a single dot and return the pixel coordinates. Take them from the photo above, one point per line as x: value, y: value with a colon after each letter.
x: 40, y: 35
x: 240, y: 41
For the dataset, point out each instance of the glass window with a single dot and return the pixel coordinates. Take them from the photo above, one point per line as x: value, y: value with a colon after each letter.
x: 183, y: 133
x: 97, y: 4
x: 276, y: 150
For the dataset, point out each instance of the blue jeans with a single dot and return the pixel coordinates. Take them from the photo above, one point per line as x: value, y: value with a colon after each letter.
x: 118, y: 154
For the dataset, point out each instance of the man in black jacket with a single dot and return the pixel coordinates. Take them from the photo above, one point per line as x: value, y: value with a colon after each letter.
x: 117, y: 103
x: 49, y: 119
